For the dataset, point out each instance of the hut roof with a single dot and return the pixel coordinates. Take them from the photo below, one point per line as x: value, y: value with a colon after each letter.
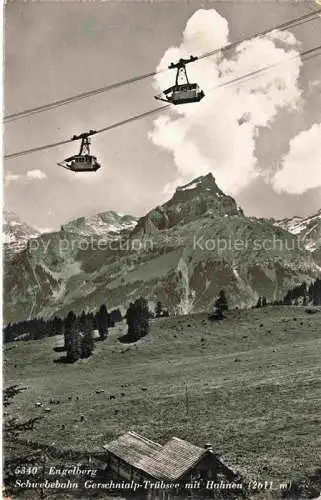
x: 168, y: 462
x: 174, y: 459
x: 132, y: 447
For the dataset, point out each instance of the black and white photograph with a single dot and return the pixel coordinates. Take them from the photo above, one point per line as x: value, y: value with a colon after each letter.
x: 161, y: 245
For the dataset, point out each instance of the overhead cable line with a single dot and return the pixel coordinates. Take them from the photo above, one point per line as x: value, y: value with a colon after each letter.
x: 78, y: 97
x: 310, y: 52
x: 281, y: 27
x: 62, y: 102
x: 104, y: 129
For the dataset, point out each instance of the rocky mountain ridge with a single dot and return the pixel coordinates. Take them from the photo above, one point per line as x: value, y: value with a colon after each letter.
x: 109, y: 224
x: 200, y: 197
x: 181, y: 253
x: 308, y: 229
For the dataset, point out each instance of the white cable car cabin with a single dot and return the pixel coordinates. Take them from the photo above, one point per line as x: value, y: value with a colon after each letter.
x: 182, y: 93
x: 84, y: 161
x: 81, y: 163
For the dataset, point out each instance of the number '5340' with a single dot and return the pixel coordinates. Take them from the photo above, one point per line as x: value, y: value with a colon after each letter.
x: 26, y: 470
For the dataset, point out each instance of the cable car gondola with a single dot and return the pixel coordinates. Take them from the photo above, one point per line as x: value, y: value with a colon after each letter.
x: 84, y: 161
x: 181, y: 93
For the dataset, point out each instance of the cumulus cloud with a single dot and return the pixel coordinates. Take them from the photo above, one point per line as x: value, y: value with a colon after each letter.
x: 313, y: 86
x: 301, y: 167
x: 282, y: 36
x: 36, y: 174
x: 219, y: 133
x: 11, y: 177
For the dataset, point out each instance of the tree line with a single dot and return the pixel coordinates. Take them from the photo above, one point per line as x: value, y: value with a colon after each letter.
x: 136, y: 316
x: 79, y: 340
x: 78, y: 331
x: 304, y: 294
x: 39, y: 328
x: 298, y: 295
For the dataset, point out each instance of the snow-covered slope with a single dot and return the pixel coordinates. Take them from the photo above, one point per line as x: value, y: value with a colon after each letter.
x: 103, y: 224
x: 308, y: 229
x: 16, y: 234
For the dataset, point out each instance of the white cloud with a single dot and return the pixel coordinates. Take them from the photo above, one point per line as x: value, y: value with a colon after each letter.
x: 301, y: 167
x: 36, y: 174
x: 283, y: 36
x: 10, y: 177
x: 213, y: 135
x: 313, y: 86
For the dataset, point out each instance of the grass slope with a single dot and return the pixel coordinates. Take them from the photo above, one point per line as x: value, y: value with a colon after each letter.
x: 253, y: 387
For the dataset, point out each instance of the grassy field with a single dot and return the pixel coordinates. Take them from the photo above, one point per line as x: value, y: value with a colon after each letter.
x: 250, y: 385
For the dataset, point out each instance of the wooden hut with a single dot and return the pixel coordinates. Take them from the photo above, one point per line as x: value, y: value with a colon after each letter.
x: 177, y: 462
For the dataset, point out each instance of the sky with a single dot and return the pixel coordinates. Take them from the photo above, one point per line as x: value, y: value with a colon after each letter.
x: 259, y: 138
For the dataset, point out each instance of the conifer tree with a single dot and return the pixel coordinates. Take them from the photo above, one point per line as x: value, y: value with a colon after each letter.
x: 69, y: 321
x: 138, y: 316
x: 74, y: 344
x: 158, y: 310
x: 102, y: 322
x: 115, y: 316
x: 130, y: 320
x: 87, y: 340
x: 82, y: 320
x: 220, y: 305
x: 57, y: 326
x: 222, y: 301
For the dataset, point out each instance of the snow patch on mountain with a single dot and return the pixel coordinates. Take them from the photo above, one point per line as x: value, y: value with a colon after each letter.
x: 191, y: 185
x: 308, y: 229
x: 104, y: 224
x: 16, y: 234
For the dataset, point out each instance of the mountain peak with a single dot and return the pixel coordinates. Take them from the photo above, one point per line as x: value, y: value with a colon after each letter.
x: 203, y: 196
x: 199, y: 198
x: 203, y: 181
x: 205, y: 184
